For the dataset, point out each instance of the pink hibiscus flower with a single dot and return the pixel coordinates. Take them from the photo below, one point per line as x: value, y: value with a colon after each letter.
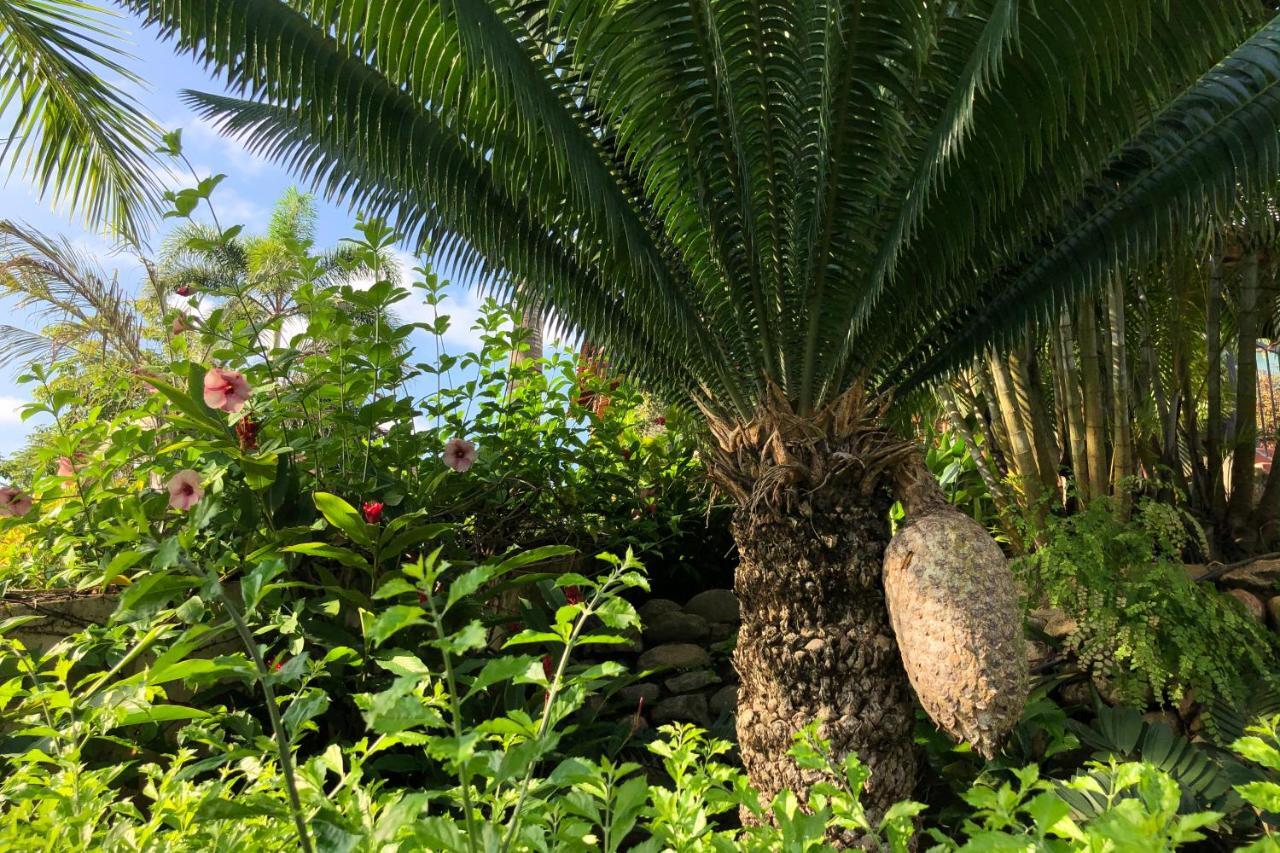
x: 459, y: 454
x: 226, y: 390
x: 66, y: 468
x: 13, y: 502
x: 185, y: 490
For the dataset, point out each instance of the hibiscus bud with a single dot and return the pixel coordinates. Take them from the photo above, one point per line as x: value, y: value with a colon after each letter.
x: 372, y: 511
x: 572, y: 595
x: 183, y: 290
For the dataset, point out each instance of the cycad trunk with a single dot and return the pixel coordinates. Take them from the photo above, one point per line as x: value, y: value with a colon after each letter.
x: 816, y: 644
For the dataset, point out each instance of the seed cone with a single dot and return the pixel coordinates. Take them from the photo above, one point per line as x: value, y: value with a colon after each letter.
x: 954, y: 609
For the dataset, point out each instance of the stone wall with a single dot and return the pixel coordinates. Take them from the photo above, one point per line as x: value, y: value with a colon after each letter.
x: 683, y: 660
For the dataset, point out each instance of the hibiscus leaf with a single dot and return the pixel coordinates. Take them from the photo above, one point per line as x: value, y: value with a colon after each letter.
x: 343, y: 516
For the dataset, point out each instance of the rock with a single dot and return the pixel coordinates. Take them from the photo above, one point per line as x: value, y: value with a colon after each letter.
x: 1273, y: 607
x: 720, y: 631
x: 1076, y: 693
x: 655, y: 607
x: 633, y: 694
x: 1259, y: 576
x: 1038, y: 617
x: 676, y: 627
x: 1167, y: 718
x: 687, y: 709
x: 1037, y: 653
x: 724, y: 701
x: 674, y: 656
x: 691, y: 681
x: 1252, y: 604
x: 1195, y: 571
x: 1061, y: 625
x: 715, y: 605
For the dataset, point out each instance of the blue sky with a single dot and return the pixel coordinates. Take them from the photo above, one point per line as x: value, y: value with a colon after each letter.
x: 244, y: 197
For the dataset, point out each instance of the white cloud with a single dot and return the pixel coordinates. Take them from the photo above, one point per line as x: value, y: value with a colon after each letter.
x: 11, y: 410
x: 201, y: 137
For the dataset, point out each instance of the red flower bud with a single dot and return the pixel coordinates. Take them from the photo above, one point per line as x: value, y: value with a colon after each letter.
x: 372, y: 511
x: 548, y: 666
x: 247, y: 432
x: 183, y: 290
x: 422, y: 598
x: 572, y: 595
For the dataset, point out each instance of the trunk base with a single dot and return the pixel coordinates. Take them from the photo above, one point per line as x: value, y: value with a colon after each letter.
x: 816, y: 644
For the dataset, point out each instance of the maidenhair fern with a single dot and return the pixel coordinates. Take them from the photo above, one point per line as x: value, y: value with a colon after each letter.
x: 1145, y: 630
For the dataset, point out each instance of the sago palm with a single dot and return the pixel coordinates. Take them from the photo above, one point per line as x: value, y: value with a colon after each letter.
x: 789, y: 213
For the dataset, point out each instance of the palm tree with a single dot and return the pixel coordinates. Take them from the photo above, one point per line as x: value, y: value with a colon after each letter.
x: 74, y: 133
x: 258, y: 275
x: 788, y: 213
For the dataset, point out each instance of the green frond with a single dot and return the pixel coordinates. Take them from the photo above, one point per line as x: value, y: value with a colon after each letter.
x: 74, y: 134
x: 1220, y: 139
x: 729, y: 194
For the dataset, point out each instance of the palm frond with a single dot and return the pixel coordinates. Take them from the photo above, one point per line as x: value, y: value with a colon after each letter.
x: 1189, y: 168
x: 74, y: 134
x: 732, y: 195
x: 62, y: 285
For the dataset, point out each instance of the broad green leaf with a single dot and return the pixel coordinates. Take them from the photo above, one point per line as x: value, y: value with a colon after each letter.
x: 343, y: 516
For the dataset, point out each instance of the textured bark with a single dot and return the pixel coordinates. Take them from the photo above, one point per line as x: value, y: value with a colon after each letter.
x: 1071, y: 402
x: 954, y: 608
x: 1035, y: 414
x: 815, y: 643
x: 1244, y: 446
x: 1122, y: 457
x: 998, y: 437
x: 1213, y: 428
x: 1095, y: 425
x: 1024, y: 459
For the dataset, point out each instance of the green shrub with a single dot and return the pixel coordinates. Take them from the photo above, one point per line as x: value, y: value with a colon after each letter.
x: 1144, y: 630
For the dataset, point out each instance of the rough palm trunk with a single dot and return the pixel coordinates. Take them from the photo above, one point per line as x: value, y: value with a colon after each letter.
x: 531, y: 323
x: 1071, y: 402
x: 1035, y: 415
x: 1024, y: 459
x: 1213, y: 429
x: 816, y: 644
x: 1122, y: 461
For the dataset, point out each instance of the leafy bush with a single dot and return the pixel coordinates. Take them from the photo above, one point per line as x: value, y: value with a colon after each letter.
x: 1143, y: 629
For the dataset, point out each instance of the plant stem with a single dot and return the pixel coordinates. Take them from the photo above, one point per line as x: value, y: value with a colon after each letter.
x: 455, y: 715
x: 552, y: 690
x: 273, y: 711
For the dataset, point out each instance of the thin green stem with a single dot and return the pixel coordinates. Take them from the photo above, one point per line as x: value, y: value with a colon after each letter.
x: 273, y: 711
